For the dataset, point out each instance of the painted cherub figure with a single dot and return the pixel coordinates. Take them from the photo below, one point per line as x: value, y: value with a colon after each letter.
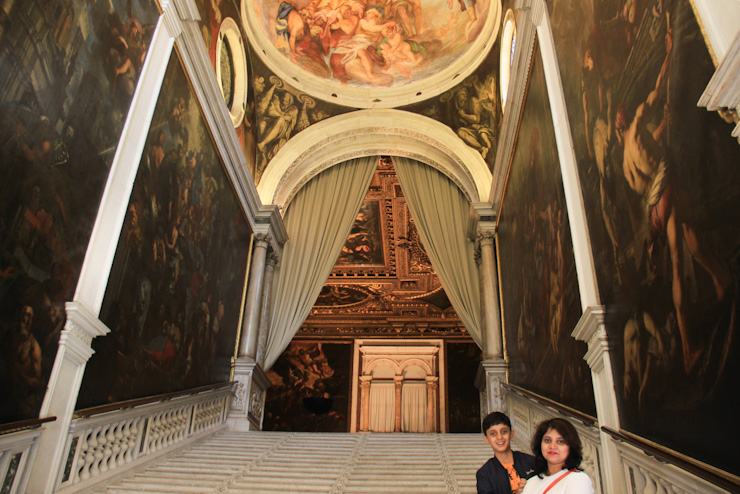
x: 399, y: 53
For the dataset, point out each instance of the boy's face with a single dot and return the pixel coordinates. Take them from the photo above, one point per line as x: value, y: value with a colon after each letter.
x: 499, y: 437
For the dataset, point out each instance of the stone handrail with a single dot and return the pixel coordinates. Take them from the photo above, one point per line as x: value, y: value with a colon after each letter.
x: 650, y: 469
x: 107, y: 444
x: 18, y: 444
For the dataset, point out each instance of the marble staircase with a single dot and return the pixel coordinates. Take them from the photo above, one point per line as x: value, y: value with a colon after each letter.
x: 330, y: 463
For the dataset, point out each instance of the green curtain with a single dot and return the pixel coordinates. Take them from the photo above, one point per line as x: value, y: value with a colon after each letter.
x: 440, y: 211
x: 318, y: 221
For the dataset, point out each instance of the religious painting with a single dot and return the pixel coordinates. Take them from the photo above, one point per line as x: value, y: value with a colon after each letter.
x: 463, y: 397
x: 310, y: 388
x: 228, y: 50
x: 540, y: 296
x: 372, y: 43
x: 68, y: 72
x: 472, y: 109
x: 282, y: 111
x: 176, y: 286
x: 661, y: 189
x: 364, y: 244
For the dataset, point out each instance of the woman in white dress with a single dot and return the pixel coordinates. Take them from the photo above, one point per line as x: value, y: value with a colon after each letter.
x: 558, y: 453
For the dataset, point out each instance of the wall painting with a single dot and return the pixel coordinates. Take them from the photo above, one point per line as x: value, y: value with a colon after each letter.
x: 175, y: 290
x: 540, y: 296
x: 661, y: 189
x: 310, y: 369
x: 68, y: 71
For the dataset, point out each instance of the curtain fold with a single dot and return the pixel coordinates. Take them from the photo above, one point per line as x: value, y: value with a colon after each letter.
x: 318, y: 221
x: 440, y: 211
x: 382, y: 407
x: 414, y: 407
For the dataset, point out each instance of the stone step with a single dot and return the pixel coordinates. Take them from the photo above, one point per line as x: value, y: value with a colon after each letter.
x: 274, y: 462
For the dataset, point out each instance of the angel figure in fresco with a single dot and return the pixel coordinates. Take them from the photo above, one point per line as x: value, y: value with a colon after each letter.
x: 281, y: 114
x: 647, y: 169
x: 399, y: 53
x: 473, y: 128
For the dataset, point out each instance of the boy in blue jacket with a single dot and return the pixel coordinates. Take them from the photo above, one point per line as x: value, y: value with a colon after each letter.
x: 508, y: 470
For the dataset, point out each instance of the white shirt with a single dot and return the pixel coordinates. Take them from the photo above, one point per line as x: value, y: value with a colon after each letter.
x: 573, y: 483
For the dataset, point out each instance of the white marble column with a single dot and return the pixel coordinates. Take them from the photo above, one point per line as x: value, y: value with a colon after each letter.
x: 247, y: 408
x: 492, y: 371
x: 252, y: 305
x: 272, y: 260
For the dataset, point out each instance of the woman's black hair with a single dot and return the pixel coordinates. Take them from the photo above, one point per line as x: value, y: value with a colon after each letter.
x: 570, y: 436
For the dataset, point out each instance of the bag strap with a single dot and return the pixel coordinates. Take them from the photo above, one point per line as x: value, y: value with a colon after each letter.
x: 558, y: 480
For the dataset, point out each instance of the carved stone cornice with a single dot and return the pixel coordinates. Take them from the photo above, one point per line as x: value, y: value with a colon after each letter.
x: 591, y: 329
x: 722, y: 94
x: 79, y: 330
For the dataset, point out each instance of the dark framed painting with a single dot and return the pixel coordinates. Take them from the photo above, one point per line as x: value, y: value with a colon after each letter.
x: 68, y: 72
x: 540, y: 295
x: 364, y: 244
x: 463, y: 397
x: 175, y: 290
x: 661, y: 189
x: 310, y: 388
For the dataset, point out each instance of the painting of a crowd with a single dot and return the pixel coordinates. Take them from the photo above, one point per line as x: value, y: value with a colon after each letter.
x: 541, y: 303
x: 174, y: 295
x: 64, y: 103
x: 364, y: 243
x: 310, y: 370
x: 661, y: 189
x: 372, y: 43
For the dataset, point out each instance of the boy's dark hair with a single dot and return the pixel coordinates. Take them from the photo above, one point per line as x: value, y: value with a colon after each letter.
x: 495, y: 418
x: 570, y: 435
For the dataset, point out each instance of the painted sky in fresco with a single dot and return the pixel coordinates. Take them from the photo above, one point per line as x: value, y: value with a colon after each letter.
x: 371, y: 43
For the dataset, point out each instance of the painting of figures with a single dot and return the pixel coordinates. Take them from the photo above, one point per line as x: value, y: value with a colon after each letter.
x: 176, y: 286
x: 541, y: 303
x: 661, y: 188
x: 373, y: 43
x: 68, y: 70
x: 365, y: 241
x: 472, y: 109
x: 310, y: 370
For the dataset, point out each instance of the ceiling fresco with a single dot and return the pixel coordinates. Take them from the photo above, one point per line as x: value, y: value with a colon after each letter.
x: 383, y: 283
x: 408, y: 48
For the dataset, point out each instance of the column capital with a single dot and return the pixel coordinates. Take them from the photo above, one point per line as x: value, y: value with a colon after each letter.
x: 591, y: 329
x: 273, y: 258
x: 262, y: 239
x: 486, y: 236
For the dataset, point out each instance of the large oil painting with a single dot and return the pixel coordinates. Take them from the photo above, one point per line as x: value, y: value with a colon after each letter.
x: 310, y: 386
x: 372, y: 43
x: 463, y: 398
x: 541, y: 302
x: 175, y: 290
x: 68, y: 70
x: 661, y: 187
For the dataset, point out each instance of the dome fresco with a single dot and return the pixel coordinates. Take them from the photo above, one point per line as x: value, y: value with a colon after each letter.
x: 395, y: 51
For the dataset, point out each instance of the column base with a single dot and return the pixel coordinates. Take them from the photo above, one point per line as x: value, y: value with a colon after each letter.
x: 491, y: 374
x: 248, y: 406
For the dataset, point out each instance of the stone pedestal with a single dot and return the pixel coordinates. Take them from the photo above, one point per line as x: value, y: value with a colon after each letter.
x: 248, y: 405
x: 491, y: 374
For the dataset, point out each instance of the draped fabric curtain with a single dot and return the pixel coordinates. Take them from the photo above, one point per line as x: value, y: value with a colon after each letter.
x: 440, y: 211
x: 382, y: 407
x: 414, y: 406
x: 318, y: 221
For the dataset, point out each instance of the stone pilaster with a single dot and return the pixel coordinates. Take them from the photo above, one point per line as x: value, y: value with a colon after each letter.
x: 592, y: 330
x: 64, y: 386
x: 491, y: 374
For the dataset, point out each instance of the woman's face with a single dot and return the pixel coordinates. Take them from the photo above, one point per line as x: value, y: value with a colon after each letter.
x: 555, y: 450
